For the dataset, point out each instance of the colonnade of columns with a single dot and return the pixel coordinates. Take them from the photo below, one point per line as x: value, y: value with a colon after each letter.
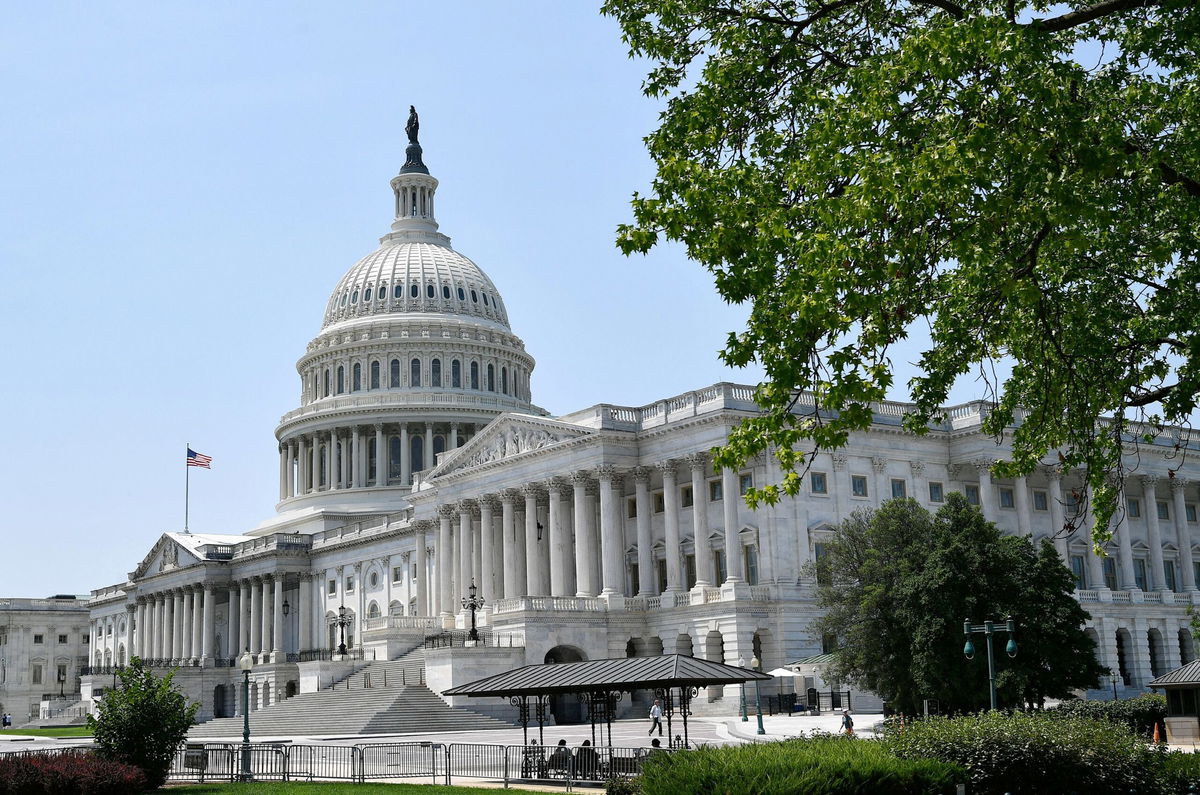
x: 360, y: 456
x: 498, y: 540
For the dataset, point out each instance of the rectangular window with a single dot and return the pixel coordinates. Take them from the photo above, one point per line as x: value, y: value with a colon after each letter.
x: 86, y: 639
x: 1006, y: 498
x: 332, y: 588
x: 1196, y: 571
x: 1078, y: 571
x: 1139, y: 573
x: 397, y: 573
x: 858, y: 485
x: 899, y: 489
x: 714, y: 492
x: 1041, y: 502
x: 632, y: 588
x: 38, y: 639
x: 745, y: 483
x: 685, y: 497
x: 971, y: 491
x: 1133, y: 507
x: 62, y: 672
x: 37, y: 674
x: 659, y: 504
x: 750, y: 556
x: 62, y: 638
x: 1110, y: 574
x: 662, y: 574
x: 689, y: 570
x: 719, y: 565
x: 935, y: 492
x: 350, y: 583
x: 631, y: 508
x: 1169, y: 575
x: 1189, y: 511
x: 823, y: 577
x: 817, y: 483
x: 1164, y: 510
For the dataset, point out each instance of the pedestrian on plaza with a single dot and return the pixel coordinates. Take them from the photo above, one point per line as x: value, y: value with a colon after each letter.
x: 656, y: 717
x: 847, y: 723
x: 587, y: 762
x: 7, y: 720
x: 560, y: 760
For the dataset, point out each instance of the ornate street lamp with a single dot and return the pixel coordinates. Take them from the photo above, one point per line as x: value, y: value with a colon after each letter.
x: 286, y: 607
x: 246, y: 662
x: 472, y: 602
x: 742, y: 664
x: 756, y: 664
x: 62, y: 680
x: 341, y: 622
x: 988, y: 628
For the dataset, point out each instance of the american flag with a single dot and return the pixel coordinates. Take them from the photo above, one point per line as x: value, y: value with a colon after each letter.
x: 195, y: 459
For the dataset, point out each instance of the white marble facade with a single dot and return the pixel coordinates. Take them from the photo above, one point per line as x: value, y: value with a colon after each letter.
x: 417, y: 464
x: 44, y: 647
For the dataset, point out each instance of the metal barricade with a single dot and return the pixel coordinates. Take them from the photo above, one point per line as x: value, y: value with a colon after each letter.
x: 400, y: 760
x: 329, y: 762
x: 475, y: 760
x: 202, y: 762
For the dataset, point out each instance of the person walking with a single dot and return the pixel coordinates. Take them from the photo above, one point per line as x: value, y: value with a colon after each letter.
x: 656, y: 717
x: 847, y: 723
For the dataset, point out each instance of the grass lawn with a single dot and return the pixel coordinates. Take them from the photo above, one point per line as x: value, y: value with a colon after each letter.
x: 338, y: 788
x: 62, y: 731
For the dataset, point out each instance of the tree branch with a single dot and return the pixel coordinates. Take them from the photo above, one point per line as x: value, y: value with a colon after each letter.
x: 1152, y: 396
x: 1073, y: 18
x: 952, y: 9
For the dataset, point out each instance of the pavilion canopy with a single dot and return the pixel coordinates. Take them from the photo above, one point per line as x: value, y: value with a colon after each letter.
x: 620, y: 674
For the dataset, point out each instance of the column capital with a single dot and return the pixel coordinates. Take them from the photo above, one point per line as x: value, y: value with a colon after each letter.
x: 469, y: 507
x: 839, y: 460
x: 531, y: 491
x: 607, y: 472
x: 983, y: 465
x: 446, y: 510
x: 491, y: 501
x: 556, y: 486
x: 422, y: 525
x: 1052, y: 472
x: 378, y: 426
x: 1150, y: 482
x: 582, y: 478
x: 879, y: 464
x: 509, y: 496
x: 917, y: 468
x: 697, y: 460
x: 669, y: 466
x: 1178, y: 485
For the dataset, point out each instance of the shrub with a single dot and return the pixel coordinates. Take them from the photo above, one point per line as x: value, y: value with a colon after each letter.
x: 1034, y: 753
x: 623, y: 786
x: 68, y: 774
x: 1180, y: 771
x: 820, y: 765
x: 1139, y: 714
x: 142, y: 722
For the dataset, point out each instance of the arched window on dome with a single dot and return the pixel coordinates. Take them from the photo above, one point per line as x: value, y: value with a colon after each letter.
x: 485, y: 301
x: 415, y: 290
x: 491, y: 381
x: 414, y: 372
x: 354, y: 297
x: 341, y: 379
x: 474, y: 297
x: 446, y: 291
x: 417, y: 446
x: 394, y: 450
x: 382, y: 293
x: 375, y: 374
x: 474, y: 375
x: 429, y: 291
x: 345, y: 298
x: 504, y: 380
x: 394, y: 381
x: 462, y: 296
x: 367, y: 295
x: 456, y: 374
x: 326, y: 383
x: 356, y: 377
x: 435, y: 373
x: 398, y: 291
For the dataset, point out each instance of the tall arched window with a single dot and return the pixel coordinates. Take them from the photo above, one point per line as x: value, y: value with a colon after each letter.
x: 414, y: 372
x: 474, y: 375
x: 372, y: 469
x: 491, y: 382
x: 439, y: 445
x: 417, y: 446
x: 375, y: 374
x: 394, y: 383
x: 356, y: 377
x: 394, y: 458
x: 456, y: 374
x: 341, y: 379
x: 323, y: 476
x: 504, y: 380
x: 435, y: 372
x: 326, y: 382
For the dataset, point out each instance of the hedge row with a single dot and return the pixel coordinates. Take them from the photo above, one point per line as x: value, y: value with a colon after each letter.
x: 67, y: 774
x: 1139, y: 714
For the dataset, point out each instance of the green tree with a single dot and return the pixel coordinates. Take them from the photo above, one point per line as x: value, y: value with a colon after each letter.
x: 1021, y: 179
x: 142, y: 722
x: 898, y: 584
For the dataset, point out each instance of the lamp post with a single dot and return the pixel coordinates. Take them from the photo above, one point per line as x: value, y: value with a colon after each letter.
x: 988, y: 628
x: 341, y: 622
x: 246, y: 662
x: 62, y: 680
x: 472, y: 602
x: 742, y: 664
x: 756, y: 664
x: 1112, y: 675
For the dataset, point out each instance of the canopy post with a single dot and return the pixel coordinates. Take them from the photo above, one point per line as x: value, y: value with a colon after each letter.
x: 522, y: 705
x: 540, y: 705
x: 686, y: 694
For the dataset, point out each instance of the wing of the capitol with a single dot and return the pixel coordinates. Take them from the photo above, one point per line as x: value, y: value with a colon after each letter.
x: 418, y: 465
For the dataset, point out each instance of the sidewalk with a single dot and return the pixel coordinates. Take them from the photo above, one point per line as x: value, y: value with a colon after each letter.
x: 783, y: 727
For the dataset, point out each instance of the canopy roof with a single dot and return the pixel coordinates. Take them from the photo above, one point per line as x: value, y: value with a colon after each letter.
x: 1184, y: 675
x: 620, y: 674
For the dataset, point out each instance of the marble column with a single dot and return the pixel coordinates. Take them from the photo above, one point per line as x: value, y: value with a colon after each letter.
x: 1158, y: 576
x: 381, y: 458
x: 645, y: 539
x: 291, y: 469
x: 698, y: 463
x: 1021, y: 487
x: 733, y: 544
x: 185, y: 625
x: 162, y: 649
x: 405, y: 456
x: 233, y: 612
x: 453, y: 445
x: 208, y: 626
x: 419, y: 536
x: 514, y: 578
x: 429, y: 457
x: 196, y: 625
x: 360, y: 612
x: 304, y: 612
x: 443, y: 561
x: 277, y: 620
x: 883, y: 486
x: 674, y: 552
x: 245, y: 619
x: 283, y: 462
x: 141, y: 629
x: 585, y: 540
x: 533, y: 558
x: 611, y: 553
x: 1183, y: 535
x: 487, y: 553
x: 265, y: 617
x: 1056, y: 517
x: 558, y: 546
x: 987, y: 502
x: 466, y: 545
x: 256, y: 607
x: 1125, y: 578
x: 1094, y: 562
x: 920, y: 486
x: 179, y: 627
x: 330, y: 469
x: 314, y: 475
x: 356, y: 457
x: 301, y: 466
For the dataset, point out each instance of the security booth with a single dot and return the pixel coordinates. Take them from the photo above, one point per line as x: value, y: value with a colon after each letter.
x: 1182, y: 688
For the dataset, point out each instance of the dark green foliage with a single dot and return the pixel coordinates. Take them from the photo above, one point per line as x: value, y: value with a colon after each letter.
x: 67, y: 774
x: 898, y: 584
x: 623, y: 786
x: 1179, y: 772
x: 142, y: 722
x: 822, y: 765
x: 1034, y: 753
x: 1139, y: 714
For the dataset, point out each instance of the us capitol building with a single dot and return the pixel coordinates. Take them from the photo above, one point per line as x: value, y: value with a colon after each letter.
x: 417, y: 464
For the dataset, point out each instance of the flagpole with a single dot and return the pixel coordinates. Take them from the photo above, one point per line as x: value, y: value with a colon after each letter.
x: 187, y: 482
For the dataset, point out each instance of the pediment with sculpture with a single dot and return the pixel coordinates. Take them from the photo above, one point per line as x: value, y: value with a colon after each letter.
x: 165, y: 555
x: 509, y: 436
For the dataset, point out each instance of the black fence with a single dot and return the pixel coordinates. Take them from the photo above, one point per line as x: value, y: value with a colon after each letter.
x: 461, y: 639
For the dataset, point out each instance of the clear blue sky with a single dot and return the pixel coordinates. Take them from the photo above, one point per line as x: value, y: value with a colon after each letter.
x: 184, y: 184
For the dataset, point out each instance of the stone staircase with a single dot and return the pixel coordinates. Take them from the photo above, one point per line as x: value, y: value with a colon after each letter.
x: 359, y: 704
